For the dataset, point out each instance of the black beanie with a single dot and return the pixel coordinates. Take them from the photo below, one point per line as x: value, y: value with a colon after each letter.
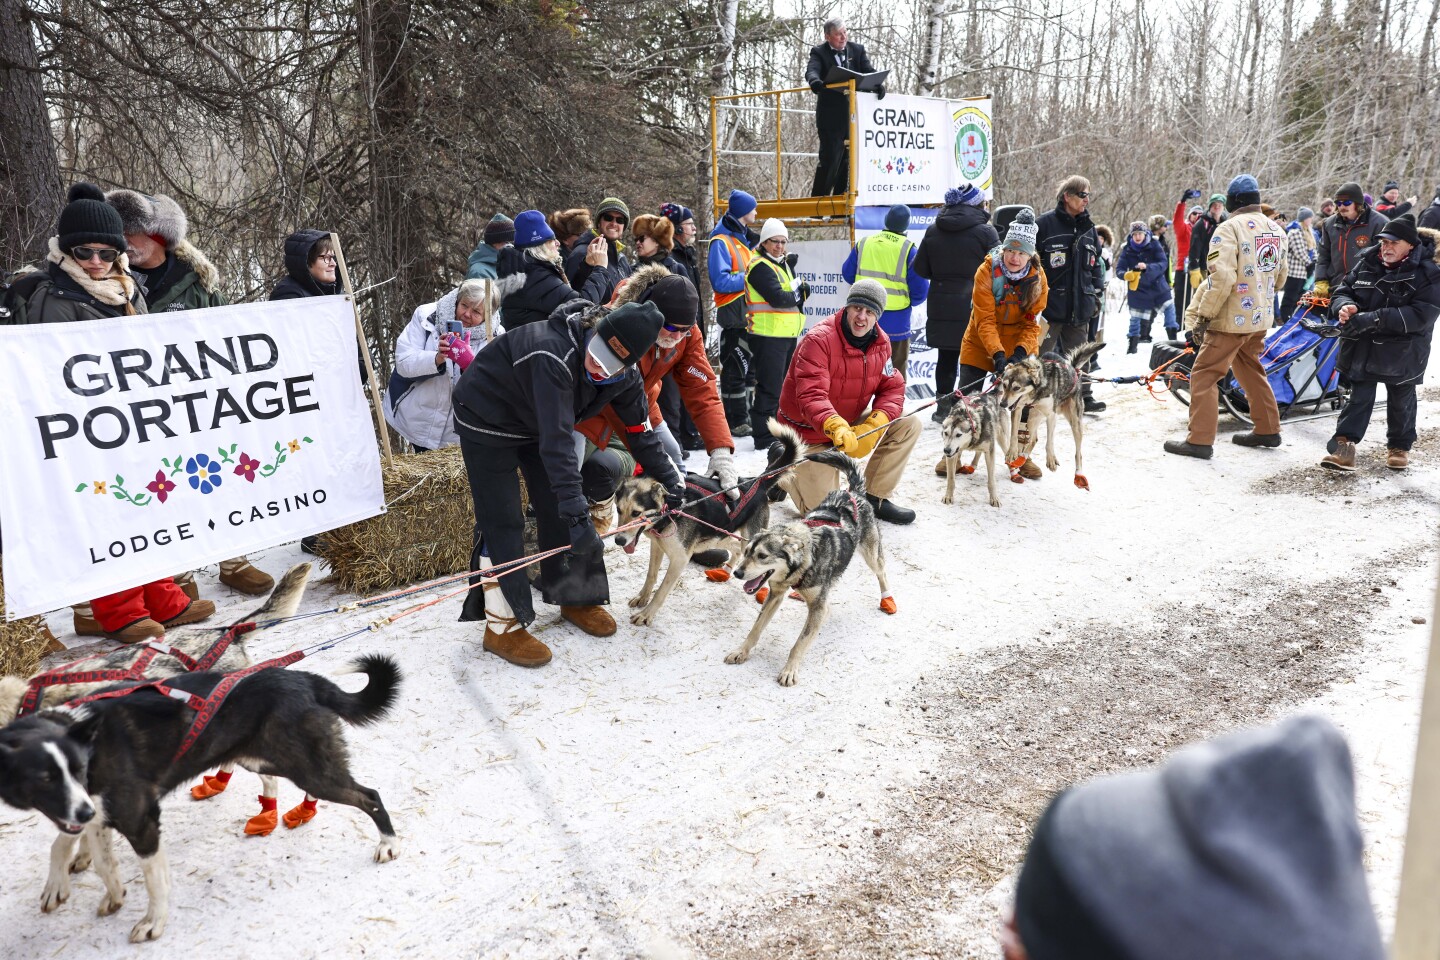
x: 676, y: 298
x: 1351, y: 191
x: 629, y: 330
x: 1051, y: 921
x: 1402, y: 228
x: 87, y: 218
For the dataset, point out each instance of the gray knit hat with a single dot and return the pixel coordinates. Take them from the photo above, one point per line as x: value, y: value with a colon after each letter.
x: 867, y: 293
x: 1245, y: 846
x: 1022, y: 233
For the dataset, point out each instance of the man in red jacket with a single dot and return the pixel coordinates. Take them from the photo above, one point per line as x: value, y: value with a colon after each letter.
x: 841, y: 369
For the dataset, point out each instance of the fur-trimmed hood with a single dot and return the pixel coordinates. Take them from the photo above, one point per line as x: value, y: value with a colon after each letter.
x: 205, y: 271
x: 635, y: 286
x: 117, y: 289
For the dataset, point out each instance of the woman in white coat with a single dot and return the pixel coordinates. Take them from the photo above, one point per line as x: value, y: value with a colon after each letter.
x: 434, y: 348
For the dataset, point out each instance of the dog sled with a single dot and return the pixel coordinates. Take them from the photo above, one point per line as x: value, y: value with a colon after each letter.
x: 1299, y: 363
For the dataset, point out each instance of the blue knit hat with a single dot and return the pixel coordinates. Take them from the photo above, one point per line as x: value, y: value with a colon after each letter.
x: 897, y: 219
x: 531, y: 229
x: 1244, y: 191
x: 968, y: 194
x: 676, y: 213
x: 740, y: 203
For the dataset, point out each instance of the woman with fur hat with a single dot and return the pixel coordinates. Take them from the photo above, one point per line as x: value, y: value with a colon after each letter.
x: 569, y: 226
x: 532, y: 274
x: 86, y: 278
x: 655, y: 243
x: 1145, y: 266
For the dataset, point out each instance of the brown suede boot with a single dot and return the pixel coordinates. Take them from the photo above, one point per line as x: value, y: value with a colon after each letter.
x: 85, y: 623
x: 1397, y: 459
x: 940, y: 467
x: 512, y: 643
x: 1343, y: 458
x: 145, y: 629
x: 186, y: 582
x: 594, y: 620
x: 240, y: 574
x: 197, y: 610
x: 1030, y: 470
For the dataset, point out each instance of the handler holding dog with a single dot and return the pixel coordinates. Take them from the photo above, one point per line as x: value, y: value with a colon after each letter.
x: 842, y: 368
x: 516, y: 406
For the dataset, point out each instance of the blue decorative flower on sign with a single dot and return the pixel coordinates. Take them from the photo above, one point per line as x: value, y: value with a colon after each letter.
x: 204, y: 473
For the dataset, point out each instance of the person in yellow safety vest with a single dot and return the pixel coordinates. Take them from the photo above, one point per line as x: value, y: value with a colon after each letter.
x: 887, y: 257
x: 774, y: 320
x: 732, y: 245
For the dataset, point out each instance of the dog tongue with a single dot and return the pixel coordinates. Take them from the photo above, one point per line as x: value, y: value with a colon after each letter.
x: 752, y: 585
x: 630, y: 547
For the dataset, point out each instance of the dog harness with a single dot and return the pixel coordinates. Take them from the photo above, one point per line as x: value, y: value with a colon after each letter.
x: 826, y: 521
x: 67, y: 674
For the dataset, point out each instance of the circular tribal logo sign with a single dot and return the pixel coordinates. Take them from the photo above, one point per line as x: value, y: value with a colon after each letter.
x: 972, y: 145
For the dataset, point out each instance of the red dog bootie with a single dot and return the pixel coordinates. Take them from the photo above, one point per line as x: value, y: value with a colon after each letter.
x: 210, y: 786
x: 263, y: 823
x: 762, y: 594
x: 717, y: 574
x: 887, y: 603
x: 301, y: 814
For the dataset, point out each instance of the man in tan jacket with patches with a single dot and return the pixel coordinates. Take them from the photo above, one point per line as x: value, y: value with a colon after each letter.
x: 1227, y: 320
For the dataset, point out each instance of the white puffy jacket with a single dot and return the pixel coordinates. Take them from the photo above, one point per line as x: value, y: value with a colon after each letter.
x: 424, y: 415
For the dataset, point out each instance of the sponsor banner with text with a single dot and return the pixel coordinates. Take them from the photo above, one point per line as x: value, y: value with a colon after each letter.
x: 141, y: 447
x: 913, y: 149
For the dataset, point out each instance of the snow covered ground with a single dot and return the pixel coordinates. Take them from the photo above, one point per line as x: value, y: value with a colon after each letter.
x: 639, y: 797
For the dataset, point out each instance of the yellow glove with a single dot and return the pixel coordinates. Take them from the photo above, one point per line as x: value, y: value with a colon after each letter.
x: 1196, y: 278
x: 838, y: 429
x: 1322, y: 288
x: 1132, y: 279
x: 876, y: 422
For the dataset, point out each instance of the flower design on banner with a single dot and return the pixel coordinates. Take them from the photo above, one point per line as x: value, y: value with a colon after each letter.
x: 100, y: 488
x: 204, y: 473
x: 160, y: 486
x: 294, y: 446
x: 247, y: 467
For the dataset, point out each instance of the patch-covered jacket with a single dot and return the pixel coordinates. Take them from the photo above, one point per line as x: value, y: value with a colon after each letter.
x: 1389, y: 338
x: 828, y: 376
x: 531, y: 387
x: 1070, y: 255
x: 999, y: 324
x: 1247, y: 261
x: 1342, y: 241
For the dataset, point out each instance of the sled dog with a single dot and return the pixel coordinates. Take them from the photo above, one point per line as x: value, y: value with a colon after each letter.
x: 980, y: 424
x: 1042, y: 387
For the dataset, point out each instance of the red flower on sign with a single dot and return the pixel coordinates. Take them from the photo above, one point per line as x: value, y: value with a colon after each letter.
x: 246, y: 467
x: 160, y: 486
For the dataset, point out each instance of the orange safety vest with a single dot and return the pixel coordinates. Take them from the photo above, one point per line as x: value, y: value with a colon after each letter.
x: 740, y: 257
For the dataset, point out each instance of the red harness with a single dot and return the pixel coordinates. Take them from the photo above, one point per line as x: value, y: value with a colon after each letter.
x: 66, y: 674
x: 813, y: 522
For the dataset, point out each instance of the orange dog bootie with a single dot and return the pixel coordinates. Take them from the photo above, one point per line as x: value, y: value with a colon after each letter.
x: 304, y: 813
x: 887, y: 603
x: 263, y: 823
x: 762, y: 594
x: 717, y: 574
x: 210, y: 786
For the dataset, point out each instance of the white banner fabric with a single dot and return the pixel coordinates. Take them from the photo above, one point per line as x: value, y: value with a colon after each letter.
x: 913, y: 149
x: 141, y: 447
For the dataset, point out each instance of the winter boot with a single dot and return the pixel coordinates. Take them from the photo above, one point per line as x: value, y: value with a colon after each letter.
x: 186, y: 582
x: 1253, y: 439
x: 740, y: 430
x: 889, y: 511
x: 1030, y: 470
x: 1133, y: 348
x: 1342, y: 457
x: 52, y: 645
x: 716, y: 563
x: 602, y: 515
x: 240, y: 574
x: 196, y: 611
x: 594, y: 620
x: 140, y: 630
x: 1095, y: 406
x: 1397, y: 459
x: 504, y: 636
x: 1185, y: 448
x: 85, y: 623
x: 942, y: 407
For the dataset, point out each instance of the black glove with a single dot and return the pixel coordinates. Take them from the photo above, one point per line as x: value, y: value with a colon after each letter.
x: 584, y: 541
x: 999, y: 360
x: 1020, y: 353
x: 816, y: 86
x: 791, y: 259
x: 880, y: 94
x: 1360, y: 324
x: 1193, y: 339
x: 804, y: 290
x: 674, y: 499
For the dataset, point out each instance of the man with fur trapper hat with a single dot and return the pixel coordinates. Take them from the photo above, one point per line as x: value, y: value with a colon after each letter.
x: 1227, y: 320
x: 1343, y: 236
x: 176, y: 276
x: 1245, y: 846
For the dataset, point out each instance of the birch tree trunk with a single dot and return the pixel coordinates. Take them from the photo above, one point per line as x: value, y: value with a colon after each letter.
x: 930, y: 52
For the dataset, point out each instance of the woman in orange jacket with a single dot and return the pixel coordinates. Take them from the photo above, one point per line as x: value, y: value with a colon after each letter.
x: 1010, y: 292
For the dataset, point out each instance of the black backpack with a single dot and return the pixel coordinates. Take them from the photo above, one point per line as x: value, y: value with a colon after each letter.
x: 15, y: 292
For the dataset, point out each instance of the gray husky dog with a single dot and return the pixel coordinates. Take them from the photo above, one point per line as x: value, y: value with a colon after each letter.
x: 1046, y: 386
x: 808, y: 556
x: 194, y: 642
x: 980, y: 424
x: 710, y: 524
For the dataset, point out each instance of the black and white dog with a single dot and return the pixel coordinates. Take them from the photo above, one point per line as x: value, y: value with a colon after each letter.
x: 105, y: 765
x: 808, y: 556
x: 681, y: 538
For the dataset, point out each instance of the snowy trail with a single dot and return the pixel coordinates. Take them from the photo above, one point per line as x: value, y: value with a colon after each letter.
x: 640, y: 797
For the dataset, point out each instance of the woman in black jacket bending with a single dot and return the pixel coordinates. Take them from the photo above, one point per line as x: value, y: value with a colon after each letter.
x: 516, y: 406
x: 1387, y: 307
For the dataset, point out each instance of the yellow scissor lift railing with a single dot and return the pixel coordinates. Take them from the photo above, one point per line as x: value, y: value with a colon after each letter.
x: 742, y: 116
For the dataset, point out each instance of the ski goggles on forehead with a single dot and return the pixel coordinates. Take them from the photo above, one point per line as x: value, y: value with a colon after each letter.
x: 605, y: 358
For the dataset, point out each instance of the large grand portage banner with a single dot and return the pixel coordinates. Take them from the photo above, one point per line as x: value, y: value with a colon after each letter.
x: 137, y: 448
x: 913, y: 149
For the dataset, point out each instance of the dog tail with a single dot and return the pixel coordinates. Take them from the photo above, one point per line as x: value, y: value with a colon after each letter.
x: 847, y: 466
x: 1081, y: 355
x: 284, y: 599
x: 369, y: 704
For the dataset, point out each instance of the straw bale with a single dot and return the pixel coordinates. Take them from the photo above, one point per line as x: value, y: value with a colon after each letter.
x: 425, y: 534
x: 22, y: 642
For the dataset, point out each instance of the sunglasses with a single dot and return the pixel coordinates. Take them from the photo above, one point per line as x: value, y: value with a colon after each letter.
x: 1083, y: 195
x: 106, y: 254
x: 678, y: 331
x: 1344, y: 203
x: 613, y: 218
